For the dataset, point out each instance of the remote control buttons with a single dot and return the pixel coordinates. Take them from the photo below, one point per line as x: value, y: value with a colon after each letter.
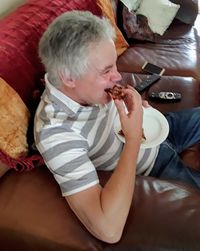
x: 165, y: 96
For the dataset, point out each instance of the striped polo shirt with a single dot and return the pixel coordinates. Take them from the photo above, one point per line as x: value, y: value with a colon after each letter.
x: 76, y: 141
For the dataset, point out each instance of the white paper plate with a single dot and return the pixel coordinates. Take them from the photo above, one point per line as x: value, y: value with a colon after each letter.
x: 155, y: 125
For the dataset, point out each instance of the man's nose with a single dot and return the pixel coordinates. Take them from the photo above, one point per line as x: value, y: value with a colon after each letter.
x: 116, y: 76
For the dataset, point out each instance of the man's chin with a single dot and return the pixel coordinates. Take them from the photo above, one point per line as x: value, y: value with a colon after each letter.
x: 108, y: 99
x: 104, y: 100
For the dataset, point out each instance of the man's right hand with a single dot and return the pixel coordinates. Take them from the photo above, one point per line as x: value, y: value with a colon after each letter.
x: 130, y: 117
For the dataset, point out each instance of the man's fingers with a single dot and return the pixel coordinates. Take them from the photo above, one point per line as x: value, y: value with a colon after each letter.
x: 145, y: 103
x: 120, y: 107
x: 130, y: 87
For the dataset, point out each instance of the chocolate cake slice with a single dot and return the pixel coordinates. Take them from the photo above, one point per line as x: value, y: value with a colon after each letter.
x: 116, y: 92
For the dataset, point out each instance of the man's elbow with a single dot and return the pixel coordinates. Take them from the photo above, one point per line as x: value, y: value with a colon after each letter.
x: 111, y: 239
x: 110, y: 236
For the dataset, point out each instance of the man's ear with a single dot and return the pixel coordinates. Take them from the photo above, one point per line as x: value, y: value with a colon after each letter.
x: 67, y: 80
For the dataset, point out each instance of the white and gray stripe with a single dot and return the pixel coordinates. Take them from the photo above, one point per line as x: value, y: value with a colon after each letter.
x: 75, y: 141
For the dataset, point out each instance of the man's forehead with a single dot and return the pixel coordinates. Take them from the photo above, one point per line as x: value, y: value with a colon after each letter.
x: 103, y: 56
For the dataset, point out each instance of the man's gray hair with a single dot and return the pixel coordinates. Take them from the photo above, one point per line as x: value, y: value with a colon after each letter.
x: 64, y: 46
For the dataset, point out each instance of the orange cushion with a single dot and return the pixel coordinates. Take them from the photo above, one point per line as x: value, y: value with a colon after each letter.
x: 107, y: 11
x: 13, y: 123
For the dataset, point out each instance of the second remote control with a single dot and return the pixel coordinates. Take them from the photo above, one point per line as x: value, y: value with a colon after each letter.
x: 147, y: 82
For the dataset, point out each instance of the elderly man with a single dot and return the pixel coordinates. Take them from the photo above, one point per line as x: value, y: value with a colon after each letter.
x: 74, y: 125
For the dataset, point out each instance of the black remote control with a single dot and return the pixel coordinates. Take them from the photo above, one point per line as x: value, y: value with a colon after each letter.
x: 147, y: 82
x: 165, y: 96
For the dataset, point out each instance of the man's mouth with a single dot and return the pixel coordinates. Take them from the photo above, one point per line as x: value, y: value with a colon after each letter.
x: 117, y: 92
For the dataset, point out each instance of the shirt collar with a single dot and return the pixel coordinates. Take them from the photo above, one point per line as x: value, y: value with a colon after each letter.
x: 64, y: 99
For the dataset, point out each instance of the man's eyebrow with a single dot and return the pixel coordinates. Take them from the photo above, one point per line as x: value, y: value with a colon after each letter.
x: 106, y: 68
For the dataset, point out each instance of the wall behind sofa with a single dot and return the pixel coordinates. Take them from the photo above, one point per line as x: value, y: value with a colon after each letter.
x: 7, y: 6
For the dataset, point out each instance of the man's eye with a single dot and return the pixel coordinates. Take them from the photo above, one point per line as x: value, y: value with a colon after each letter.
x: 106, y: 72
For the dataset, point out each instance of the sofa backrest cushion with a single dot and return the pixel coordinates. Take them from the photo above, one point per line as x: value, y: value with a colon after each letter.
x: 21, y: 68
x: 188, y: 10
x: 19, y: 36
x: 159, y: 13
x: 107, y: 11
x: 14, y: 122
x: 136, y: 26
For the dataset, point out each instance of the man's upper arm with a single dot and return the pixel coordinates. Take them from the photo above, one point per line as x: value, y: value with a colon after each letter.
x: 65, y: 153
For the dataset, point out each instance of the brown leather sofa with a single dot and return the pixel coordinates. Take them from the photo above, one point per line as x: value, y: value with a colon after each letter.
x: 164, y: 215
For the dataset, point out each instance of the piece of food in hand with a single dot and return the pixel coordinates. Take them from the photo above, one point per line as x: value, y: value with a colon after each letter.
x: 143, y: 136
x: 117, y: 92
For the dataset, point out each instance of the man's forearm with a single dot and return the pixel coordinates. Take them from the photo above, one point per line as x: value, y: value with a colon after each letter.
x: 117, y: 194
x: 104, y: 211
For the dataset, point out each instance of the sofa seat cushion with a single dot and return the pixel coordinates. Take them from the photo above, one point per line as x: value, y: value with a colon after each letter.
x: 189, y: 89
x: 187, y: 86
x: 44, y: 221
x: 177, y: 51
